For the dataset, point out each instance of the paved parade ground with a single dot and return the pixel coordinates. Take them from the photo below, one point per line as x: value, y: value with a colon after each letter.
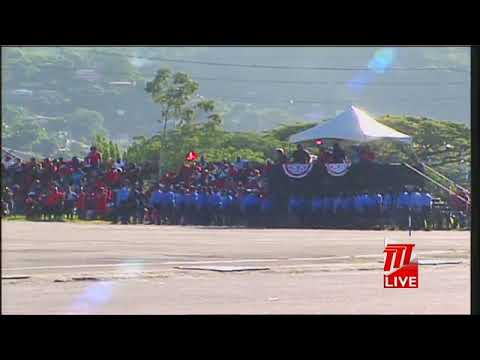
x: 65, y: 268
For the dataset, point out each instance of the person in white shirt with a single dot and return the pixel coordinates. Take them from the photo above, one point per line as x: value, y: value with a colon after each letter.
x: 8, y: 161
x: 119, y: 164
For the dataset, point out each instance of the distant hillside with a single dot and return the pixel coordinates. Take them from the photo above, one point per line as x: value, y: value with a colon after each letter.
x: 51, y: 95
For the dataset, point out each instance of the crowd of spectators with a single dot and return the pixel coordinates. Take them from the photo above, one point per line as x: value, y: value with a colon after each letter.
x: 200, y: 193
x: 334, y: 154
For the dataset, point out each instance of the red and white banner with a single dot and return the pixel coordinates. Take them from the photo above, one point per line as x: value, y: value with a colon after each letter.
x: 297, y: 171
x: 339, y: 169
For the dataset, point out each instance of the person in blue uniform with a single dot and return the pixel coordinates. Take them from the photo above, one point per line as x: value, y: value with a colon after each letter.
x: 227, y: 207
x: 215, y: 207
x: 266, y: 209
x: 387, y: 209
x: 317, y: 209
x: 374, y: 206
x: 155, y: 205
x: 167, y: 202
x: 201, y: 206
x: 426, y: 202
x: 422, y: 203
x: 337, y: 213
x: 251, y: 207
x: 297, y: 206
x: 415, y: 208
x: 327, y: 213
x: 357, y: 204
x: 360, y: 205
x: 179, y: 196
x: 346, y: 207
x: 237, y: 206
x: 122, y: 203
x: 403, y: 209
x: 190, y: 206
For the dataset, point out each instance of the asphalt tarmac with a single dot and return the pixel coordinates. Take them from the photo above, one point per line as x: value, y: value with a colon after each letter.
x: 65, y: 268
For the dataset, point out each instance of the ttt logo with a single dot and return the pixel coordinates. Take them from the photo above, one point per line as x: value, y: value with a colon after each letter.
x: 399, y: 271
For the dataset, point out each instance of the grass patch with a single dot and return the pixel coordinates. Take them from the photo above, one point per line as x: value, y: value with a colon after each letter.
x: 73, y: 221
x: 80, y: 221
x: 15, y: 218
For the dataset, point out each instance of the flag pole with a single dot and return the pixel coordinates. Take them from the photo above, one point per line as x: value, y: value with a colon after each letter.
x: 409, y: 224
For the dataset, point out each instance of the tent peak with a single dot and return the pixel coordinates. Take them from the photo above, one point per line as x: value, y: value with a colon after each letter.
x: 354, y: 124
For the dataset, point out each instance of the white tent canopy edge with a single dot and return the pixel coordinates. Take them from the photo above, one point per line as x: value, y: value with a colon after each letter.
x: 354, y: 125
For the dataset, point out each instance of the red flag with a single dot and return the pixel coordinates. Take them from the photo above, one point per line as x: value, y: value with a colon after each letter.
x: 192, y: 156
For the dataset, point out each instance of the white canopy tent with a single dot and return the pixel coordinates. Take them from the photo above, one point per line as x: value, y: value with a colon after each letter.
x: 352, y: 125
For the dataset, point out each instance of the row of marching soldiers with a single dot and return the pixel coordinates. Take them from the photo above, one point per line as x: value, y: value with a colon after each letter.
x: 253, y: 208
x: 206, y: 206
x: 365, y: 210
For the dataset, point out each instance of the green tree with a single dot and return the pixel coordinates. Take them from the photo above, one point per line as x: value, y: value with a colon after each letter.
x: 21, y: 132
x: 111, y: 150
x: 117, y: 152
x: 284, y: 131
x: 174, y: 93
x: 102, y: 145
x: 45, y: 147
x: 434, y: 141
x: 85, y: 123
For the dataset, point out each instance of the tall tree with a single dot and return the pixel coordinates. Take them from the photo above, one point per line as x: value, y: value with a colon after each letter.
x: 175, y: 93
x: 85, y: 123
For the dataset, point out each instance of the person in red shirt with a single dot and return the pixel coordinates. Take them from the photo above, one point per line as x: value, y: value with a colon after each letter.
x: 91, y: 204
x: 46, y: 173
x: 186, y: 171
x: 268, y: 167
x: 366, y: 154
x: 55, y: 203
x: 219, y: 183
x: 457, y: 203
x: 113, y: 177
x: 94, y: 157
x: 99, y: 184
x: 32, y: 207
x: 101, y: 197
x: 29, y: 178
x: 64, y: 170
x: 253, y: 179
x: 81, y: 204
x: 324, y: 156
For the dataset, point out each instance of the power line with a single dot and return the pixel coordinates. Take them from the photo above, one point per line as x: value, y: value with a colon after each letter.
x: 293, y: 101
x: 278, y: 67
x: 454, y: 83
x: 256, y: 99
x: 269, y: 81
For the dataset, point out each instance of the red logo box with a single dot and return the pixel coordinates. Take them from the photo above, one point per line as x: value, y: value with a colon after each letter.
x: 399, y: 270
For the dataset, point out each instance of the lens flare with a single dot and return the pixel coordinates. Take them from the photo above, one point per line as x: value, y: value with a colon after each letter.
x: 100, y: 293
x: 380, y: 62
x: 93, y: 297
